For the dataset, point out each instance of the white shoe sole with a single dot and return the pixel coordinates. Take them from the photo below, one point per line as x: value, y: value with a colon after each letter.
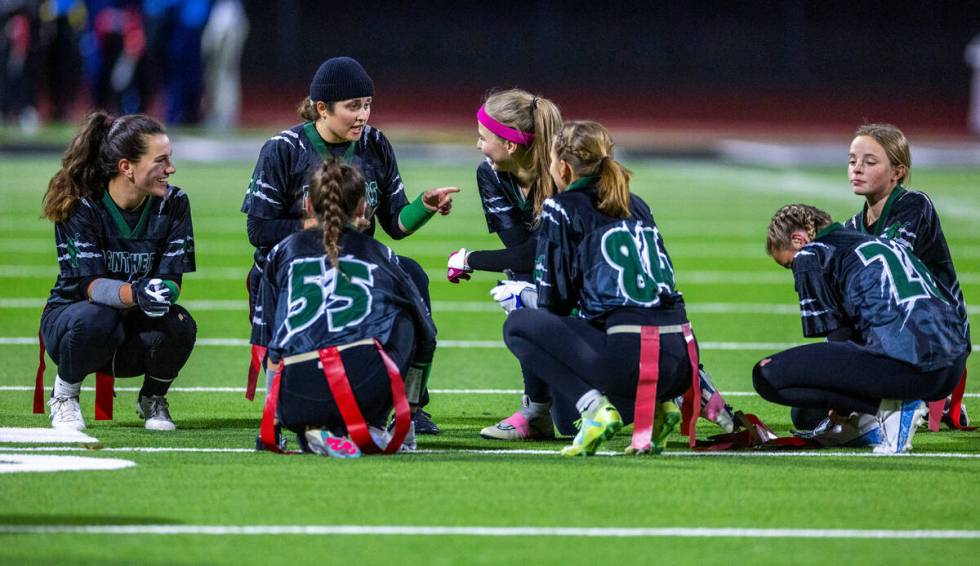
x: 156, y: 424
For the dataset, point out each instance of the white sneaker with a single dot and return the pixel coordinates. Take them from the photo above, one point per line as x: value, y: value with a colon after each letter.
x: 156, y: 411
x: 898, y: 420
x: 858, y: 429
x: 66, y: 413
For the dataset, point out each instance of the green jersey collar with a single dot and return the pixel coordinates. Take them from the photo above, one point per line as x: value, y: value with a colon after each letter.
x: 886, y: 210
x: 827, y: 230
x: 124, y: 229
x: 320, y: 146
x: 582, y: 182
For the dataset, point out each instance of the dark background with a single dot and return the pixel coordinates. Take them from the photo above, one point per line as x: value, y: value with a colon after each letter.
x: 752, y: 62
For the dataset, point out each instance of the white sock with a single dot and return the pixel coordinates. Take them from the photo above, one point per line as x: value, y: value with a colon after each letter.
x: 587, y: 401
x: 531, y: 410
x: 64, y: 389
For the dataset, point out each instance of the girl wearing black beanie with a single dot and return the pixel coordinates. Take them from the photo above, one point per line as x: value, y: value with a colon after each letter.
x: 335, y: 125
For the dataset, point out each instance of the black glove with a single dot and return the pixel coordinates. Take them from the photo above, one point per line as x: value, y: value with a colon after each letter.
x: 152, y: 296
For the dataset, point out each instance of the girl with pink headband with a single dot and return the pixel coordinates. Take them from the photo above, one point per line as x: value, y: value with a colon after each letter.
x: 516, y: 129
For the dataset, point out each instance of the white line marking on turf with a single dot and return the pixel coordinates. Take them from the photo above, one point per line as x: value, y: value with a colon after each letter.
x: 437, y: 391
x: 816, y: 453
x: 14, y: 463
x: 43, y: 435
x: 476, y: 531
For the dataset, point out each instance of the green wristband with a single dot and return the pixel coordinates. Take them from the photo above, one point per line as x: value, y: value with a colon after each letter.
x: 173, y: 288
x: 415, y: 215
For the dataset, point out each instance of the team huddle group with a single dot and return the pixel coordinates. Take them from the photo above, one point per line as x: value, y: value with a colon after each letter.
x: 342, y: 328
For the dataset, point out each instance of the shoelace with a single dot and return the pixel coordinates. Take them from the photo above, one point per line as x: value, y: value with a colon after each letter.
x: 60, y: 410
x: 156, y: 406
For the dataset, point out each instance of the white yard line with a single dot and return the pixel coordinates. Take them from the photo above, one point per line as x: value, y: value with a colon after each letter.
x: 487, y: 531
x: 816, y: 453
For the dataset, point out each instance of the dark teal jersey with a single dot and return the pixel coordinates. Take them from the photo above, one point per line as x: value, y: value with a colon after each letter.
x: 287, y: 161
x: 504, y: 203
x: 910, y: 219
x: 98, y: 240
x: 306, y: 305
x: 876, y: 287
x: 597, y: 263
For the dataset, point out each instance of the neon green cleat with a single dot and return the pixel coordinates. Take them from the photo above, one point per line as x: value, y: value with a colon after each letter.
x: 668, y: 416
x: 595, y: 426
x: 667, y: 419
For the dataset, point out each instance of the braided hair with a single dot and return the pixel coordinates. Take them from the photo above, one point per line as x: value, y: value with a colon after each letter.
x: 587, y: 148
x: 336, y: 191
x: 791, y: 218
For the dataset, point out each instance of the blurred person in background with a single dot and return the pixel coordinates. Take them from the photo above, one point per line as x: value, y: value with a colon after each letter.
x: 222, y: 44
x: 18, y: 40
x: 175, y: 64
x: 113, y: 49
x: 62, y: 26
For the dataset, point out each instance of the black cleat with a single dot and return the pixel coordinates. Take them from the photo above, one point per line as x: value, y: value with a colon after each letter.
x: 423, y: 423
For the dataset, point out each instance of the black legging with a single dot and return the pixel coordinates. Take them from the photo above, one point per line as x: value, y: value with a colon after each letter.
x: 846, y: 378
x: 305, y: 399
x: 572, y: 357
x: 85, y: 337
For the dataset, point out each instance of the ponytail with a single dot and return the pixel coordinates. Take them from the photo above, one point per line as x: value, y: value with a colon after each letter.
x: 80, y: 174
x: 614, y: 188
x: 307, y: 110
x: 587, y: 148
x: 547, y: 122
x: 92, y: 159
x: 539, y: 117
x: 792, y: 218
x: 335, y: 192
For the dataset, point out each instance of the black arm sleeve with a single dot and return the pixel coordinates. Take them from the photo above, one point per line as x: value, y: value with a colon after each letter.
x: 519, y: 258
x: 264, y: 233
x: 515, y: 236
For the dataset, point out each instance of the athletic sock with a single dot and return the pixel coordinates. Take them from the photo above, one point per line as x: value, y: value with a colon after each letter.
x: 532, y: 410
x: 155, y: 386
x: 588, y: 401
x: 64, y: 389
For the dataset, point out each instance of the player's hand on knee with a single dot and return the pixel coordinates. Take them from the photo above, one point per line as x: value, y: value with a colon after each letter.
x: 458, y: 268
x: 153, y: 296
x: 511, y: 295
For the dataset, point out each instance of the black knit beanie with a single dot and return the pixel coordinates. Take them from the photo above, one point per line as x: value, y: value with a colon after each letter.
x: 340, y: 78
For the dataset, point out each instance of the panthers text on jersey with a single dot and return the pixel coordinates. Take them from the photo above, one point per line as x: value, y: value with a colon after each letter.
x: 99, y: 240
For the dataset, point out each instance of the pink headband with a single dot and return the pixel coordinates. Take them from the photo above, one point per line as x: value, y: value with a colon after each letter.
x: 506, y: 132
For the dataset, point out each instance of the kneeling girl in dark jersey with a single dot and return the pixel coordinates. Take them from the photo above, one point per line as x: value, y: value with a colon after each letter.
x: 124, y: 240
x: 895, y: 333
x: 335, y: 301
x: 599, y: 251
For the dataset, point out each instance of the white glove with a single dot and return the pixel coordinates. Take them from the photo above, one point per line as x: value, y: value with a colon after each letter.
x: 457, y: 268
x: 515, y: 295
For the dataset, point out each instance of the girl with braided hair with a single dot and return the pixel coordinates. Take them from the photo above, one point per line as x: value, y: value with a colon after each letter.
x: 334, y: 125
x: 332, y: 289
x: 894, y: 334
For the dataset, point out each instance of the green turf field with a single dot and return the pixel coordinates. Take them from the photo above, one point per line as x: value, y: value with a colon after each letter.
x: 529, y: 505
